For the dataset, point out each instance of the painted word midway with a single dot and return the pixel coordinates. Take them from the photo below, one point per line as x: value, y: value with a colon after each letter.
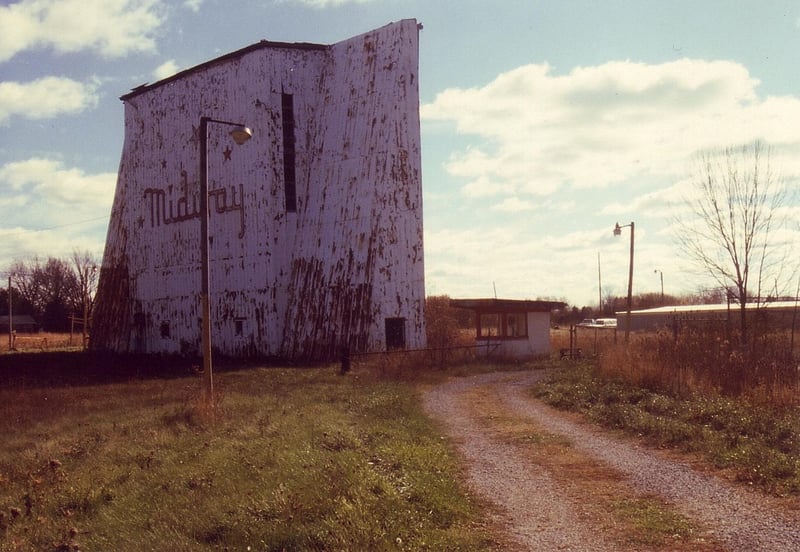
x: 166, y: 209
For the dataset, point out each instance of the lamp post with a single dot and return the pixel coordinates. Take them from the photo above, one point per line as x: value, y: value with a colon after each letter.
x: 240, y: 135
x: 617, y: 232
x: 656, y: 271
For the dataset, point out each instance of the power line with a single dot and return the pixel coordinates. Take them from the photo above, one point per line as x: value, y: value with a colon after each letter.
x: 44, y: 229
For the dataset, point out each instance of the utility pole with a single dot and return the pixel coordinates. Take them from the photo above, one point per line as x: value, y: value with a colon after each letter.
x: 599, y: 286
x: 617, y: 232
x: 662, y: 285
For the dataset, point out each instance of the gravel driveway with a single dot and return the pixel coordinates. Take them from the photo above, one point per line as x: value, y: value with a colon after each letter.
x: 533, y: 511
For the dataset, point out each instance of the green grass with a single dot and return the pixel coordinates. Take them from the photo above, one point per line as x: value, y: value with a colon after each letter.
x: 295, y: 459
x: 761, y: 444
x: 653, y: 523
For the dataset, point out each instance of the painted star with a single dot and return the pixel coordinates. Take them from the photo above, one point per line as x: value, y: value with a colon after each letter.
x: 195, y: 139
x: 227, y: 153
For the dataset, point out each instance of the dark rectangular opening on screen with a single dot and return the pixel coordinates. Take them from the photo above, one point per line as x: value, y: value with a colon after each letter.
x: 287, y: 109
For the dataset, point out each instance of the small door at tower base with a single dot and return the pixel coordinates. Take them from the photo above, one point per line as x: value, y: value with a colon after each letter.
x: 395, y: 333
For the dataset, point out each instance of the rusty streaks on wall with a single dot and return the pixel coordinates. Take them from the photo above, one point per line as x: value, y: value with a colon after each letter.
x: 325, y: 314
x: 113, y: 302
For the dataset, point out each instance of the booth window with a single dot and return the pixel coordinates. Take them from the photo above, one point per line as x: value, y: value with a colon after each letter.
x: 516, y: 324
x: 505, y: 325
x: 489, y: 325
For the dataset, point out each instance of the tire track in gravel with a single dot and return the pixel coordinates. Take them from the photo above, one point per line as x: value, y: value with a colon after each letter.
x: 532, y: 510
x: 535, y: 513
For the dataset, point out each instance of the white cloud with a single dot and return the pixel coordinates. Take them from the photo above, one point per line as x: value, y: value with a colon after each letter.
x: 326, y: 3
x: 662, y: 202
x: 44, y: 98
x: 114, y: 28
x: 54, y: 193
x: 519, y: 263
x: 513, y: 205
x: 193, y: 5
x: 166, y: 69
x: 602, y: 126
x: 553, y: 160
x: 50, y: 209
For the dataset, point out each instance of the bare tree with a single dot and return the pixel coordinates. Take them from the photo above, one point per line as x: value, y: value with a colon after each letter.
x: 29, y: 280
x: 734, y: 220
x: 56, y: 288
x: 86, y: 267
x: 86, y: 272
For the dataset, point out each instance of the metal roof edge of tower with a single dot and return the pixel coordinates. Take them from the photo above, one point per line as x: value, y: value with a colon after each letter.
x: 231, y: 55
x: 141, y: 89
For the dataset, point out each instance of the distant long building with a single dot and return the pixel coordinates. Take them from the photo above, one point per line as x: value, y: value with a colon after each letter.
x: 778, y: 313
x: 315, y: 223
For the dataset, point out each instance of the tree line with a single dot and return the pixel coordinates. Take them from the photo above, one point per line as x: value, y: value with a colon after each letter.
x: 52, y: 290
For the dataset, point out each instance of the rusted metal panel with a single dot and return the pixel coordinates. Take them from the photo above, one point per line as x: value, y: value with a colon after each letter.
x: 298, y: 283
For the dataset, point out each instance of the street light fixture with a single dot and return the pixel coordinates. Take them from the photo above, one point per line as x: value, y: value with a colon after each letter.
x: 617, y: 232
x: 240, y: 135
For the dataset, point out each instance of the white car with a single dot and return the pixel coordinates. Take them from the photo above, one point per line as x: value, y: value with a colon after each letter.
x: 606, y: 322
x: 598, y: 323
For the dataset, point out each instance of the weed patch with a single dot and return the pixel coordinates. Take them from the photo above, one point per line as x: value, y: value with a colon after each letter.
x: 760, y: 443
x: 653, y: 523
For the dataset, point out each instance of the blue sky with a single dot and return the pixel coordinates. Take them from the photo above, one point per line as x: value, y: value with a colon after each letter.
x: 543, y: 122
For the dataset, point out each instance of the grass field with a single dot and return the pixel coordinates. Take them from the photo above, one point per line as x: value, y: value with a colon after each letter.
x: 294, y: 459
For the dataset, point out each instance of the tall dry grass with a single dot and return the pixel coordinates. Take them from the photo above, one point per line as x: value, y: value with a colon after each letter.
x: 708, y: 360
x: 42, y: 341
